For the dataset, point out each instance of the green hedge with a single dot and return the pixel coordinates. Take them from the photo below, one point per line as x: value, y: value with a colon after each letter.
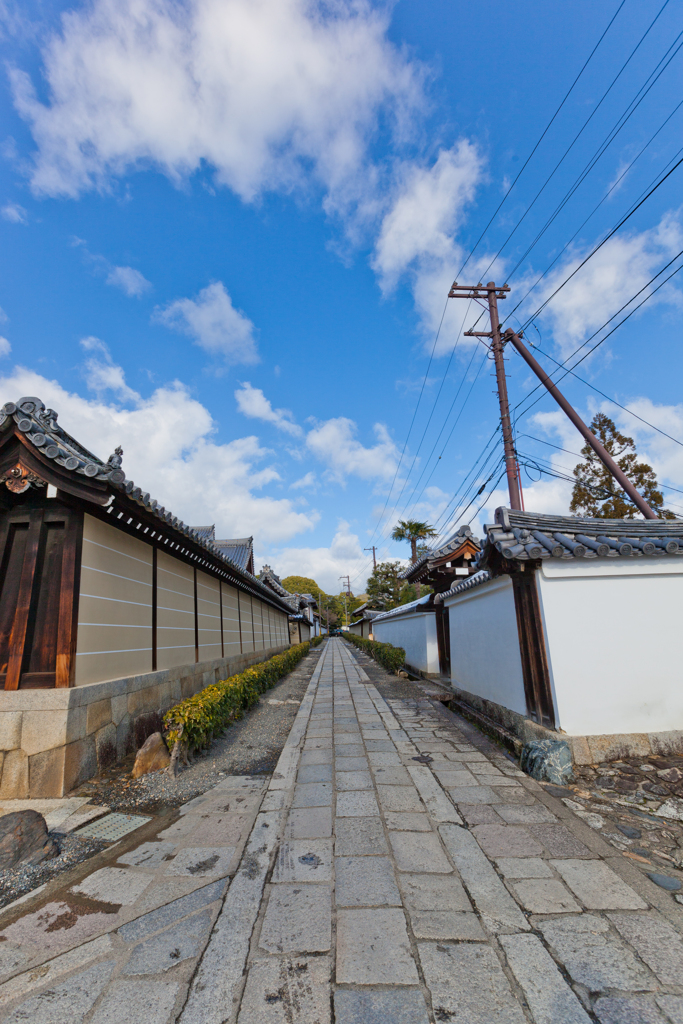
x: 389, y: 657
x: 199, y: 718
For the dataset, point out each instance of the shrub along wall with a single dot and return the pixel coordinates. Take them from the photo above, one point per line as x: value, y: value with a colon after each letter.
x: 389, y: 657
x: 194, y: 722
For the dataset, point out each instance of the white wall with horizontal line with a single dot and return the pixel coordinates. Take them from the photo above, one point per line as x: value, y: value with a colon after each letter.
x: 485, y: 658
x: 415, y: 632
x: 614, y: 643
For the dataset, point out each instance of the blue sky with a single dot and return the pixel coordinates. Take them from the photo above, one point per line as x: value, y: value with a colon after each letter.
x: 229, y: 228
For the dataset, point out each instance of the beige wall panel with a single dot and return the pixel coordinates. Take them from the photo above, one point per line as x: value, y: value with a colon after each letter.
x: 175, y: 612
x: 231, y: 623
x: 245, y: 611
x: 115, y: 605
x: 209, y: 617
x: 258, y: 624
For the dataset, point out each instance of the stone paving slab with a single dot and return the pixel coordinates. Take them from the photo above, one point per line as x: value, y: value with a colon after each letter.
x: 360, y: 886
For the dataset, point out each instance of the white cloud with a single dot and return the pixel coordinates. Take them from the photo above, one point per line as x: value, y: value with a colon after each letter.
x: 214, y: 324
x: 334, y: 443
x: 129, y: 280
x: 169, y: 451
x: 264, y: 91
x: 253, y: 403
x: 344, y: 556
x: 5, y: 347
x: 307, y: 482
x: 417, y: 234
x: 617, y: 271
x: 14, y: 213
x: 102, y: 373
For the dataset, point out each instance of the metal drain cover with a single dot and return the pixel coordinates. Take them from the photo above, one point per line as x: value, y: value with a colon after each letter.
x: 113, y: 826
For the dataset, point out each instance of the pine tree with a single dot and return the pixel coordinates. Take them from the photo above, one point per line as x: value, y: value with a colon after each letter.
x: 384, y: 585
x: 597, y: 494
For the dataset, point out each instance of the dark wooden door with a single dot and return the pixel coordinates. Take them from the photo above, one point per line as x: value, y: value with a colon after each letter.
x: 443, y: 639
x: 537, y: 690
x: 39, y: 568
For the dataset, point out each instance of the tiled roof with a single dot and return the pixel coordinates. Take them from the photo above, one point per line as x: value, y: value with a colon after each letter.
x: 240, y: 551
x: 452, y: 544
x: 469, y: 584
x: 39, y: 427
x: 403, y: 609
x: 527, y: 535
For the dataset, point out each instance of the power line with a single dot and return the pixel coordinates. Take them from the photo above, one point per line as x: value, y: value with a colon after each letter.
x: 542, y: 136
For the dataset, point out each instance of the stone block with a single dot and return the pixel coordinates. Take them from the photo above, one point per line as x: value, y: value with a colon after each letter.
x: 597, y: 886
x: 15, y: 778
x: 117, y: 886
x: 44, y: 730
x: 618, y: 745
x: 105, y: 746
x: 495, y: 904
x: 359, y: 837
x: 169, y: 913
x: 524, y: 867
x: 280, y: 990
x: 150, y: 1001
x: 480, y: 814
x: 315, y: 773
x: 544, y: 896
x: 365, y: 882
x: 170, y: 947
x: 304, y: 860
x: 309, y: 757
x: 446, y: 924
x: 405, y: 821
x: 518, y: 814
x: 80, y: 762
x: 399, y: 798
x: 119, y: 707
x: 666, y: 743
x: 633, y: 1010
x: 46, y: 773
x: 581, y: 752
x: 309, y: 823
x: 434, y: 892
x: 550, y: 998
x: 69, y: 1000
x: 202, y: 861
x: 298, y: 919
x: 392, y: 777
x: 449, y: 778
x: 10, y: 729
x: 373, y: 948
x: 98, y: 715
x: 148, y: 856
x: 655, y: 942
x: 473, y: 795
x: 559, y: 841
x: 582, y: 944
x: 356, y: 804
x: 420, y: 852
x: 125, y: 737
x: 387, y: 1006
x: 350, y: 764
x: 467, y: 982
x: 506, y: 840
x: 352, y: 780
x: 314, y: 794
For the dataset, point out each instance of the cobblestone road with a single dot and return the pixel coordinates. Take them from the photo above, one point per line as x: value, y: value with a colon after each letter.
x: 395, y: 871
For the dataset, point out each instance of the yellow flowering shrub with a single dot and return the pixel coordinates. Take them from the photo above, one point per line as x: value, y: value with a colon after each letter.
x: 201, y: 717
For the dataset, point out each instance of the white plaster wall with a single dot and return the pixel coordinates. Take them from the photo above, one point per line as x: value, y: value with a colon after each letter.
x: 416, y: 634
x: 485, y: 657
x: 615, y: 643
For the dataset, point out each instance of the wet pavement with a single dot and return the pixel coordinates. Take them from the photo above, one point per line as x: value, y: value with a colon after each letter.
x: 396, y: 868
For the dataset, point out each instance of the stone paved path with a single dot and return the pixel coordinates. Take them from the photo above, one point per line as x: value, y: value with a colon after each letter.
x: 396, y: 871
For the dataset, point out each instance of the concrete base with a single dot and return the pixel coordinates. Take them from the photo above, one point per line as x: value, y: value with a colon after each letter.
x: 52, y: 740
x: 514, y: 731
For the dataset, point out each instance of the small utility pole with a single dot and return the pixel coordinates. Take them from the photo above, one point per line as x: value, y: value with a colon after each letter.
x: 491, y: 293
x: 374, y: 559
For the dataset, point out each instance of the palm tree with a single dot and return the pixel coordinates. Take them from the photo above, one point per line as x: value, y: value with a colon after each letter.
x: 412, y: 530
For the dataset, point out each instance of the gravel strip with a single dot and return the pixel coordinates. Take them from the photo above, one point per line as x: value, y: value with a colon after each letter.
x: 72, y: 850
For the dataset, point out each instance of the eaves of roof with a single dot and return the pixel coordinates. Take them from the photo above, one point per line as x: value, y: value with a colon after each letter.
x: 470, y: 583
x: 106, y: 486
x: 523, y: 536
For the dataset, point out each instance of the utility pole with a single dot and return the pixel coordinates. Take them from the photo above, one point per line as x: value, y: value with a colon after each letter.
x: 348, y: 586
x: 374, y: 559
x: 491, y: 293
x: 595, y: 444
